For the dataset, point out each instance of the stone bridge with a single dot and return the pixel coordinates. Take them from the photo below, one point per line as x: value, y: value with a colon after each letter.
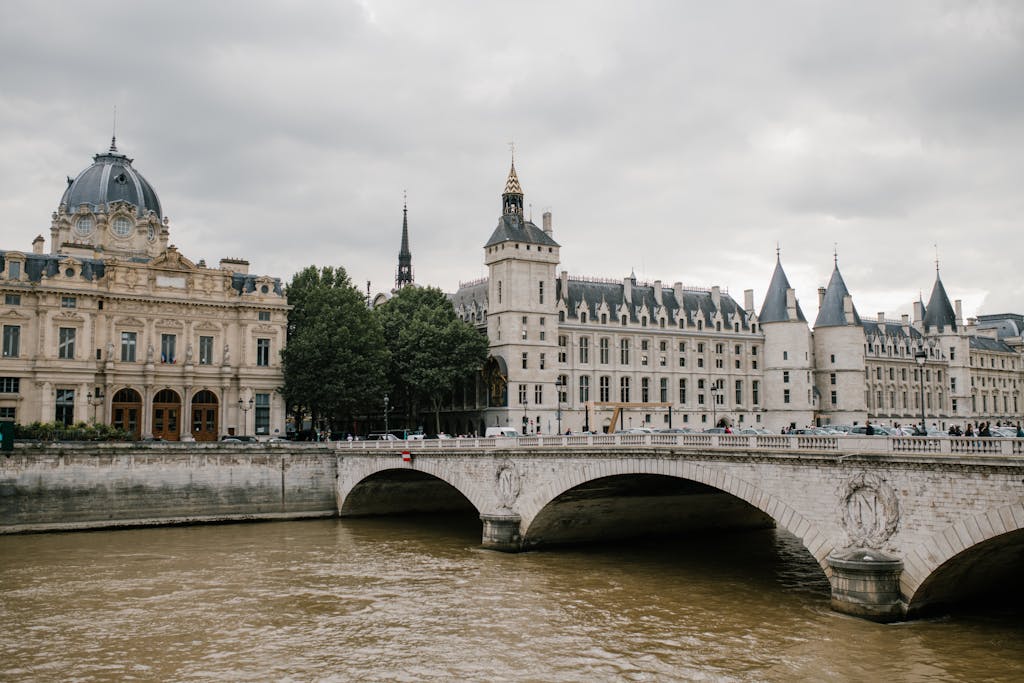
x: 900, y: 525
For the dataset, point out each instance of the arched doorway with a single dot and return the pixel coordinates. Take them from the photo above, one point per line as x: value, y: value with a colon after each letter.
x: 166, y: 413
x: 205, y: 409
x: 126, y: 412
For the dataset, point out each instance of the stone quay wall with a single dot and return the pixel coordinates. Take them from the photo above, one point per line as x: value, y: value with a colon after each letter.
x: 60, y: 487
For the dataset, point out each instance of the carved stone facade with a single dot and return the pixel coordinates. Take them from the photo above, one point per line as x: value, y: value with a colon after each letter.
x: 114, y: 325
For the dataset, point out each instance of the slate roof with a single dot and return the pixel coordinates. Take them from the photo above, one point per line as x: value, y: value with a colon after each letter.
x: 513, y: 227
x: 471, y: 300
x: 989, y: 344
x: 111, y: 178
x: 939, y: 312
x: 39, y: 265
x: 1005, y: 324
x: 893, y: 330
x: 832, y: 312
x: 774, y: 309
x: 695, y: 305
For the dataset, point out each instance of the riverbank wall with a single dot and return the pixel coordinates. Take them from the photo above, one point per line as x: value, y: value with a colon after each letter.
x: 64, y: 487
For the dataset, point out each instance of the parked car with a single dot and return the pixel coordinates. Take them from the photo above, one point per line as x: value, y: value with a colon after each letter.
x: 238, y: 438
x: 509, y: 432
x: 381, y: 436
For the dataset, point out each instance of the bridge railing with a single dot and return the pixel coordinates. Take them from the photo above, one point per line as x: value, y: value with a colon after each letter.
x: 940, y: 445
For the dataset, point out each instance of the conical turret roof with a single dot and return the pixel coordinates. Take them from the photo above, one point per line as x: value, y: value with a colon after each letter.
x: 939, y: 312
x: 774, y: 309
x: 833, y: 311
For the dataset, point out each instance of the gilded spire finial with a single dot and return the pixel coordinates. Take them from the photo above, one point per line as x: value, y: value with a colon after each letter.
x: 835, y: 254
x: 778, y: 251
x: 936, y: 259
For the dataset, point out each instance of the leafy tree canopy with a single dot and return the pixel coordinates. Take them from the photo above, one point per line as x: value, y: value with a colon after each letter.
x: 430, y: 348
x: 335, y: 359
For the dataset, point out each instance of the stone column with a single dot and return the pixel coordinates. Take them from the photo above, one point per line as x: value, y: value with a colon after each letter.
x: 866, y: 583
x: 501, y: 532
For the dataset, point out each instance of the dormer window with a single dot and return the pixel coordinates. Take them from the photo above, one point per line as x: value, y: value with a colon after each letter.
x: 122, y: 226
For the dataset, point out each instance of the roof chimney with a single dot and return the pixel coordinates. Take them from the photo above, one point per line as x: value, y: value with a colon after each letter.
x: 546, y: 222
x: 657, y: 292
x: 37, y: 244
x: 848, y: 310
x: 748, y: 300
x: 918, y: 311
x: 821, y: 296
x: 959, y: 312
x: 881, y: 316
x: 716, y: 296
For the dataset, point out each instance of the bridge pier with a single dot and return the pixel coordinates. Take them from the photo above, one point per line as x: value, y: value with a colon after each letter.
x: 501, y: 532
x: 866, y: 584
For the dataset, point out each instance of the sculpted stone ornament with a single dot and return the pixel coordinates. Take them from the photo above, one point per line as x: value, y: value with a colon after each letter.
x: 507, y: 483
x: 870, y: 510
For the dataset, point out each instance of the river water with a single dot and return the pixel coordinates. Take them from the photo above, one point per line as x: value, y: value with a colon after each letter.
x: 416, y: 599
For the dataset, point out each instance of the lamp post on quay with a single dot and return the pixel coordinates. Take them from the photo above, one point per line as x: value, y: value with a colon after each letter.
x: 920, y: 356
x: 386, y: 401
x: 245, y: 408
x: 714, y: 403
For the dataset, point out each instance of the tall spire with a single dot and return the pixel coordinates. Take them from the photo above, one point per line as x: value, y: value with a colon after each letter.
x: 776, y: 307
x: 403, y: 277
x: 512, y: 197
x: 832, y: 312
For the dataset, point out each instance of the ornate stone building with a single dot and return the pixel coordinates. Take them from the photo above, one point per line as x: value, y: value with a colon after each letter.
x: 561, y: 346
x: 114, y: 325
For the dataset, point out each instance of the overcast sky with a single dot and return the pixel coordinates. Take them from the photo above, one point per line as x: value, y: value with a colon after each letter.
x: 683, y: 141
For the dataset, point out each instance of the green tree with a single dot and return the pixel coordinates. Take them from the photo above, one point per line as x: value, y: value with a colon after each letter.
x: 430, y: 348
x: 335, y: 358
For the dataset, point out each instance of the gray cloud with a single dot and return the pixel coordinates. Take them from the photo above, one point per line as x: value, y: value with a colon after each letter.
x: 680, y: 139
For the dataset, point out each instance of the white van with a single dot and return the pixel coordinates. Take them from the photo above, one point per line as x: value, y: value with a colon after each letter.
x: 502, y: 431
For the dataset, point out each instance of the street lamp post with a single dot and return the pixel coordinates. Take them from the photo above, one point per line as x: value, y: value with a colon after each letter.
x: 93, y: 402
x: 559, y: 387
x: 714, y: 403
x: 245, y: 408
x: 920, y: 356
x: 386, y: 401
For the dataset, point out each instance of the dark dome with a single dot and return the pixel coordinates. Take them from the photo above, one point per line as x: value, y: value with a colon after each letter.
x: 111, y: 178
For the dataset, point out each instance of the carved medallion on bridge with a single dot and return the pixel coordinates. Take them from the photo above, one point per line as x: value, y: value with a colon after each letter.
x: 871, y: 511
x: 507, y: 483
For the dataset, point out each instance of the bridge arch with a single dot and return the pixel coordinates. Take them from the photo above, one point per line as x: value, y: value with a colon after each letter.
x: 785, y: 517
x: 970, y: 553
x: 390, y: 472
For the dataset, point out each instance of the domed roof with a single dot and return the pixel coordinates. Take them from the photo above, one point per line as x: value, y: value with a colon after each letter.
x: 111, y: 178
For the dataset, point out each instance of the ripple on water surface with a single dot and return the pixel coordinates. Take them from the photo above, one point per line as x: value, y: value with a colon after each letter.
x: 416, y: 599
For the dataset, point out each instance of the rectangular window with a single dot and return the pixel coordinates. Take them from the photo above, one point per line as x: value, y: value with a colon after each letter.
x: 68, y: 302
x: 540, y: 292
x: 835, y: 398
x: 785, y: 355
x: 264, y: 316
x: 538, y: 394
x: 785, y: 395
x: 66, y: 343
x: 10, y: 385
x: 7, y: 414
x: 604, y: 387
x: 542, y: 361
x: 584, y: 350
x: 645, y: 389
x: 65, y: 412
x: 785, y: 376
x: 754, y: 386
x: 663, y: 390
x: 624, y: 351
x: 603, y: 350
x: 262, y: 414
x: 206, y: 350
x: 832, y: 378
x: 624, y: 389
x: 129, y: 341
x: 262, y: 352
x: 12, y: 341
x: 526, y: 359
x: 14, y: 270
x: 12, y: 299
x: 739, y: 392
x: 522, y: 394
x: 584, y: 389
x: 563, y: 342
x: 682, y: 391
x: 168, y: 344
